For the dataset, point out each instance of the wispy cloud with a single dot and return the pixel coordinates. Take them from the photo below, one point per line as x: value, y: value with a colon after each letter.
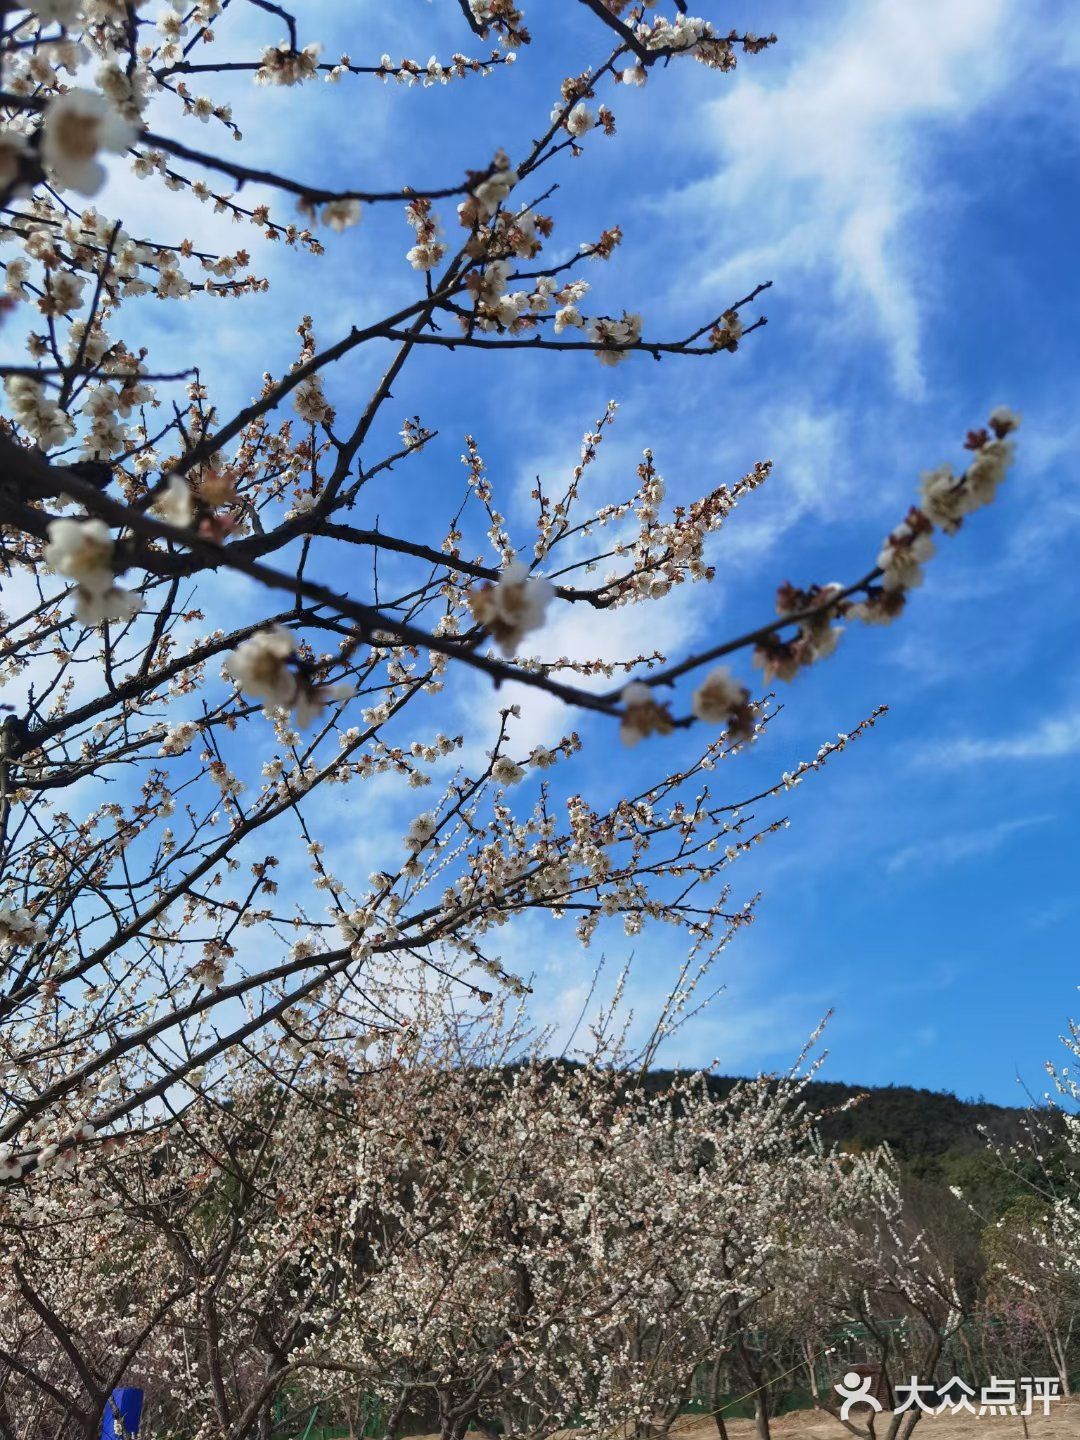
x: 943, y: 850
x: 612, y: 635
x: 1054, y: 739
x: 807, y: 444
x: 827, y: 164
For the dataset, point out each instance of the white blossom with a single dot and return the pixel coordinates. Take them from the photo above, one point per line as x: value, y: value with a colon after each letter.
x: 309, y: 402
x: 420, y: 831
x: 62, y: 12
x: 311, y: 700
x: 906, y: 550
x: 506, y: 772
x: 179, y: 738
x: 281, y: 65
x: 39, y: 415
x: 942, y: 498
x: 18, y: 927
x: 260, y: 666
x: 721, y: 700
x: 174, y: 504
x: 78, y: 125
x: 579, y: 120
x: 83, y: 551
x: 491, y: 193
x: 511, y: 607
x: 643, y: 715
x: 605, y: 332
x: 94, y: 607
x: 341, y: 214
x: 1003, y: 420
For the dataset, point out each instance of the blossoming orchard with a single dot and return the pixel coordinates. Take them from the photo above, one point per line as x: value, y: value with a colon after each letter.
x: 283, y: 1143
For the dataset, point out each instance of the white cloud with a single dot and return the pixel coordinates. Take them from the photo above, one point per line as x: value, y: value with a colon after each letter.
x: 748, y: 1035
x: 810, y: 478
x: 747, y: 1024
x: 822, y: 168
x: 579, y: 633
x: 1054, y: 739
x: 943, y: 850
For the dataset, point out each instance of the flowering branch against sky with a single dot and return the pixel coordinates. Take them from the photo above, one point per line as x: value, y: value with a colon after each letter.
x: 851, y: 169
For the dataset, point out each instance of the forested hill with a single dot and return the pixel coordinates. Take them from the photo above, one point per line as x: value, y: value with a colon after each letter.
x: 935, y: 1136
x: 917, y: 1125
x: 939, y: 1140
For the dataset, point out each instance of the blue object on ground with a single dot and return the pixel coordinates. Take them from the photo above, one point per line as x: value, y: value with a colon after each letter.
x: 122, y: 1416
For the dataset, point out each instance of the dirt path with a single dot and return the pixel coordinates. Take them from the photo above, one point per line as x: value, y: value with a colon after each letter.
x: 1062, y: 1424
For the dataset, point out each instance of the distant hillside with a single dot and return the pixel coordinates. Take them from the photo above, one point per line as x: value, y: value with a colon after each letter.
x: 918, y: 1125
x: 934, y: 1135
x: 939, y: 1140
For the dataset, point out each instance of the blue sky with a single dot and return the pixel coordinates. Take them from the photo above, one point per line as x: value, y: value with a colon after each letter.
x: 906, y: 175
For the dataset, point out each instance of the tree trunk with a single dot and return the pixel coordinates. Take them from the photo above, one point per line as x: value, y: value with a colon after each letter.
x: 761, y: 1399
x: 393, y: 1420
x: 761, y: 1417
x: 1061, y: 1363
x: 914, y: 1415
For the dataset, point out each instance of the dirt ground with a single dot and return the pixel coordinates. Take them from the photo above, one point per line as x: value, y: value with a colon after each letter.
x: 1063, y: 1423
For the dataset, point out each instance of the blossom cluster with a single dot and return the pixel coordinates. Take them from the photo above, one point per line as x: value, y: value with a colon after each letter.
x: 945, y: 499
x: 84, y: 551
x: 511, y: 607
x: 18, y: 927
x: 265, y: 667
x: 215, y: 879
x: 77, y: 126
x: 605, y: 1205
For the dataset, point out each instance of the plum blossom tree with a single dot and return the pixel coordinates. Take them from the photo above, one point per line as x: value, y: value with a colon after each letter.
x: 1032, y: 1248
x: 162, y: 750
x: 455, y: 1239
x: 904, y: 1294
x: 1032, y: 1273
x: 249, y: 1140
